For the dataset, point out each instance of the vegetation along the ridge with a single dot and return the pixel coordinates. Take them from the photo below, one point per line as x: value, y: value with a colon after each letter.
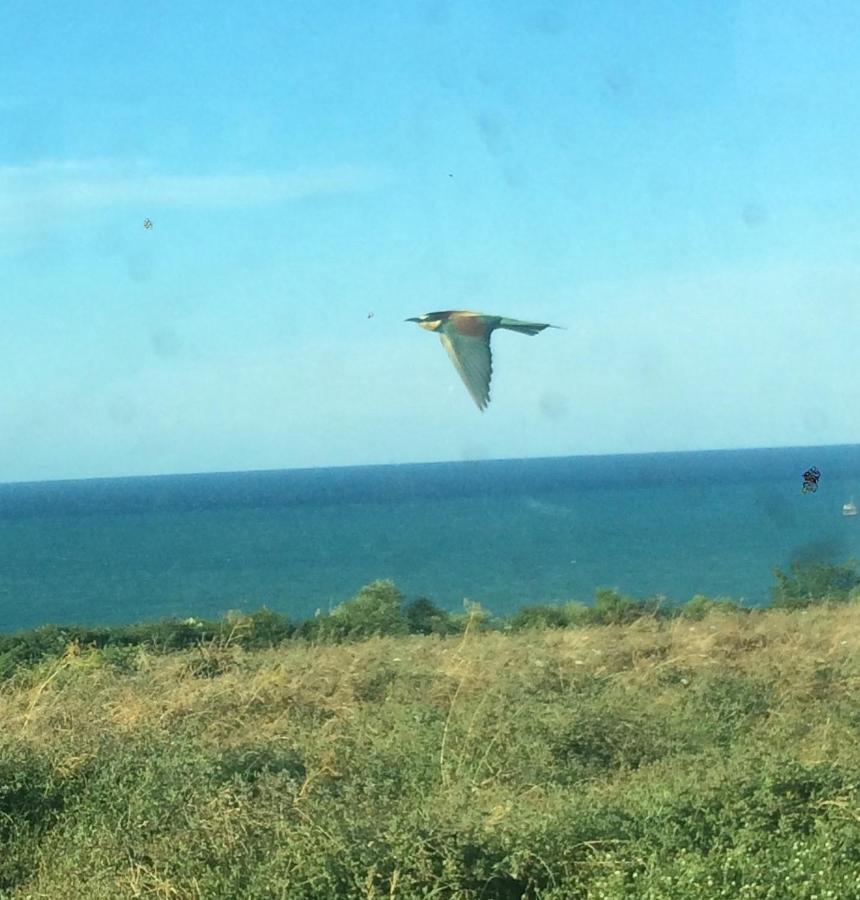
x: 623, y: 749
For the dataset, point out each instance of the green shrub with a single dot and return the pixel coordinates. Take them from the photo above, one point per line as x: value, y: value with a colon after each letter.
x: 729, y: 704
x: 375, y: 610
x: 613, y: 608
x: 32, y: 799
x: 813, y: 582
x: 474, y: 617
x: 265, y: 628
x: 250, y: 763
x: 312, y: 629
x: 542, y: 615
x: 424, y: 617
x: 28, y: 647
x: 700, y: 606
x: 29, y: 792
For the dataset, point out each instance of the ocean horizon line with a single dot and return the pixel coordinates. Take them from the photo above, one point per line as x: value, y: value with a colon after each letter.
x: 424, y: 463
x: 506, y: 532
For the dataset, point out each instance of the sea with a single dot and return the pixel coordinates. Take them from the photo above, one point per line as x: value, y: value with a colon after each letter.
x: 504, y: 533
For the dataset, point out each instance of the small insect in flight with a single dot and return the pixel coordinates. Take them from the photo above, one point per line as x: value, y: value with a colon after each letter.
x: 147, y: 223
x: 810, y: 481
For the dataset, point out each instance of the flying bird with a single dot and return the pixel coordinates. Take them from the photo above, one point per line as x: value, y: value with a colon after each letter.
x: 466, y: 337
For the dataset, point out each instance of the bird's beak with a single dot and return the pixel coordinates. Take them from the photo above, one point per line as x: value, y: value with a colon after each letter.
x: 412, y: 320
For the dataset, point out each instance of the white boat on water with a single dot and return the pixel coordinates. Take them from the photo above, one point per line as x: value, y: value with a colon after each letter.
x: 849, y: 509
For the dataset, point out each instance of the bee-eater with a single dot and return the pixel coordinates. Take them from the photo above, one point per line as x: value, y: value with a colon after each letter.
x: 466, y: 337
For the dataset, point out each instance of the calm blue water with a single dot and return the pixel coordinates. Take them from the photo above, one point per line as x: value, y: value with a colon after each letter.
x: 505, y: 533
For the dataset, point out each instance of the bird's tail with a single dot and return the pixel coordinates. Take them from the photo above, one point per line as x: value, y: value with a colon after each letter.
x: 531, y: 328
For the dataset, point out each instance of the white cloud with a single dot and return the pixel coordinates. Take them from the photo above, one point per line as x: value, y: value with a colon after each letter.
x: 34, y: 197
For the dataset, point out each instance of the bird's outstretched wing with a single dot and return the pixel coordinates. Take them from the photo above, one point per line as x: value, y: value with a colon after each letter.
x: 471, y: 356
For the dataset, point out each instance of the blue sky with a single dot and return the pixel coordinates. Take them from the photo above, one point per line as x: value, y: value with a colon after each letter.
x: 676, y: 184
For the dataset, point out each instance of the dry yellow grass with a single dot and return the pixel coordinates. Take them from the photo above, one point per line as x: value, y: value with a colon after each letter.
x: 503, y: 737
x: 262, y: 692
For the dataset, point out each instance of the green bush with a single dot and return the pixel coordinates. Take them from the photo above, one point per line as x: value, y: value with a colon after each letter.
x: 550, y: 615
x: 28, y: 647
x: 700, y: 606
x: 813, y: 583
x: 32, y: 800
x: 613, y: 608
x: 266, y: 629
x: 541, y: 615
x: 474, y: 617
x: 376, y: 609
x: 424, y: 617
x: 263, y: 628
x: 29, y: 792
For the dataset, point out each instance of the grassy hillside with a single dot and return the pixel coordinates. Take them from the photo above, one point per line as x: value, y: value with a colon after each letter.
x: 661, y: 758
